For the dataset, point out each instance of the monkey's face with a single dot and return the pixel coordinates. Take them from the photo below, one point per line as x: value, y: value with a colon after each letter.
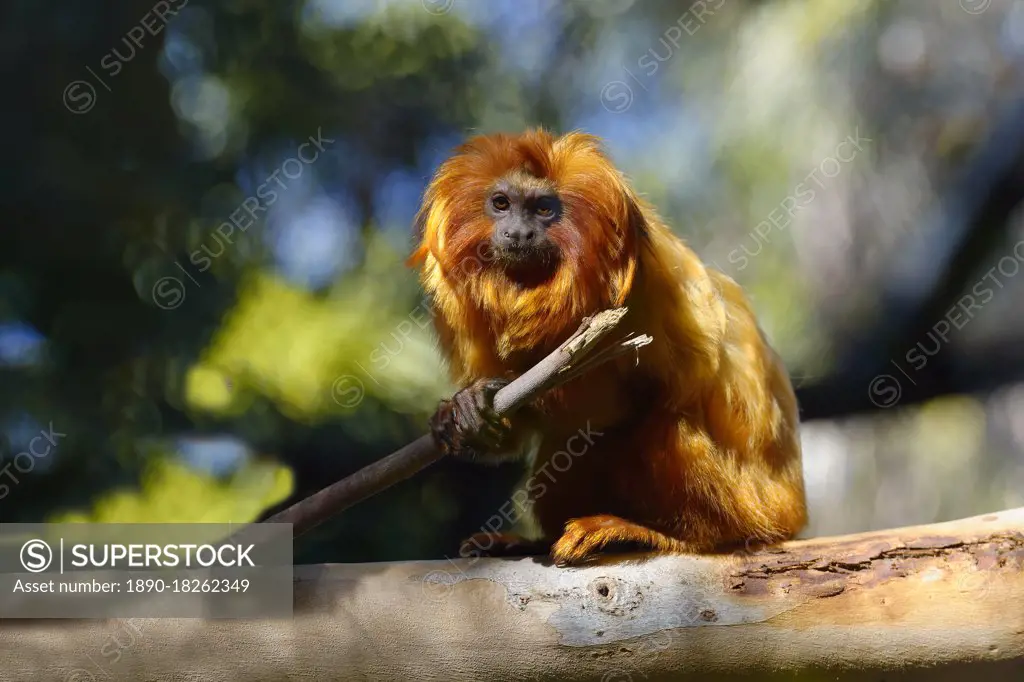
x: 550, y: 216
x: 522, y: 215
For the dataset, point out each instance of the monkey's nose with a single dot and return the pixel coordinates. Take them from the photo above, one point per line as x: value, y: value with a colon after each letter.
x: 519, y: 237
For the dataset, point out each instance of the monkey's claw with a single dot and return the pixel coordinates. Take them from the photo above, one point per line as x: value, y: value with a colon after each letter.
x: 467, y: 425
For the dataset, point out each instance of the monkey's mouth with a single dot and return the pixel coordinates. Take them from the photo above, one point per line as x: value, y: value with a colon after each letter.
x: 529, y: 262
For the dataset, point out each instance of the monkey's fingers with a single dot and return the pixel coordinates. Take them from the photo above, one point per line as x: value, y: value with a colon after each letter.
x: 484, y: 398
x: 493, y: 433
x: 475, y: 415
x: 472, y: 426
x: 488, y: 438
x: 490, y: 387
x: 442, y: 427
x: 484, y: 390
x: 452, y: 436
x: 492, y: 419
x: 467, y: 414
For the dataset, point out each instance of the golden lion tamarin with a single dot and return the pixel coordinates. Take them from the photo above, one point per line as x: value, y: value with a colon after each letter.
x: 695, y: 443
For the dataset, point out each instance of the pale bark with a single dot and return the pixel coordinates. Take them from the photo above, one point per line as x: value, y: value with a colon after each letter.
x: 940, y: 602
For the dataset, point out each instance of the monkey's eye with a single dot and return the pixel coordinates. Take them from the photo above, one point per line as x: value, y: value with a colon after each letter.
x: 545, y: 208
x: 500, y: 202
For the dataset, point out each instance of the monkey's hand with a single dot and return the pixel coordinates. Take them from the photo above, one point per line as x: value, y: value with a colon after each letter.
x: 467, y: 426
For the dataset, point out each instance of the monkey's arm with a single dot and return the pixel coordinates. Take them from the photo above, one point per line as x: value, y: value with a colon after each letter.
x: 467, y: 426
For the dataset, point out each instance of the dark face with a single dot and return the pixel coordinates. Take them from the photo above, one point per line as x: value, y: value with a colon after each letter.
x: 522, y: 217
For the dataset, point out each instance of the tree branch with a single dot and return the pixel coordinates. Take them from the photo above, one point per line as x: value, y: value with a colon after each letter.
x: 566, y: 362
x: 938, y: 603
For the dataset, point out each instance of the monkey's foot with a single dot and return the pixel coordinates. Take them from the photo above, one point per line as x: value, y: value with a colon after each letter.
x: 585, y: 538
x: 467, y: 425
x: 502, y: 544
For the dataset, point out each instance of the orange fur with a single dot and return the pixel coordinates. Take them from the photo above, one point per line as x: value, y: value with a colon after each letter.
x: 698, y: 444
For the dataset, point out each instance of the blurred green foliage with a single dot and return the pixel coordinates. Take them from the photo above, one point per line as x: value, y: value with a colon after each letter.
x: 212, y: 373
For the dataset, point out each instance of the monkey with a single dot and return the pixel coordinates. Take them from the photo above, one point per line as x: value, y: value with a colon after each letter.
x: 693, y: 444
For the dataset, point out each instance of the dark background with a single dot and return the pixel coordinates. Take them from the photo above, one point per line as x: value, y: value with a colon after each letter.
x: 194, y: 377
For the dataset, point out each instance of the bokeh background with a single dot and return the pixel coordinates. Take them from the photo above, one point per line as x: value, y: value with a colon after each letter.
x: 856, y: 164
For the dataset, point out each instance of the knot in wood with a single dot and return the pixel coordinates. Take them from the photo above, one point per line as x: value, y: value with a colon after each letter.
x: 615, y: 596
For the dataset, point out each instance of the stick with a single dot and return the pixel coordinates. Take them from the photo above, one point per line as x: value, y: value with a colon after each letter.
x: 566, y: 362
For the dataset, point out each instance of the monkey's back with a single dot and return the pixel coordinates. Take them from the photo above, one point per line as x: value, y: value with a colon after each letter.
x: 708, y: 455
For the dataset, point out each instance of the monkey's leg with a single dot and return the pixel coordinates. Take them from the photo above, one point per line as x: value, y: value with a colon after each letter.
x: 502, y: 544
x: 584, y: 538
x: 467, y: 425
